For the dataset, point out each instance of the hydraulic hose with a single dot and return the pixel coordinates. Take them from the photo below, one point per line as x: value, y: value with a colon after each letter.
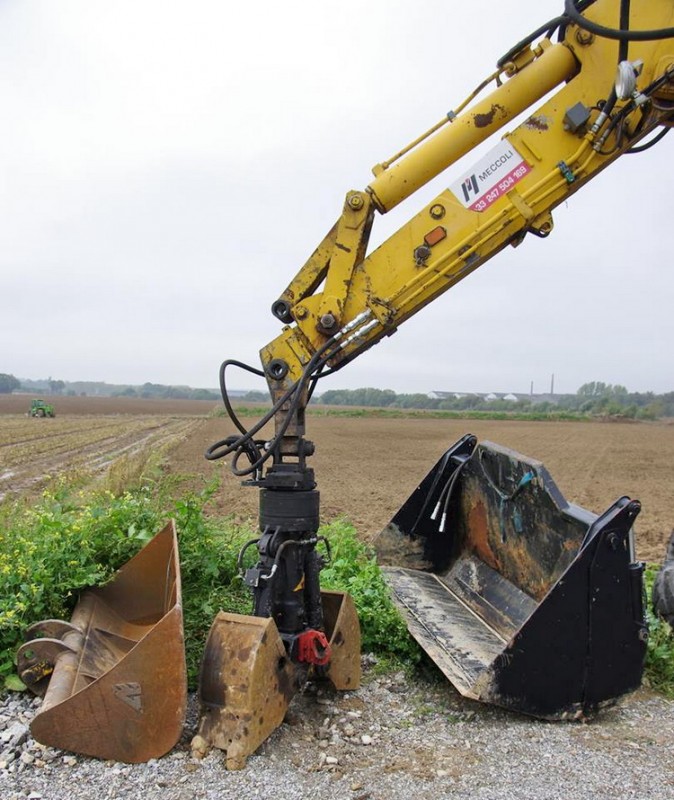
x: 245, y: 444
x: 612, y: 33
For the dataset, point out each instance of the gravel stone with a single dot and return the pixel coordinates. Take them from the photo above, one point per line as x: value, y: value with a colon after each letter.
x: 15, y: 734
x: 424, y: 742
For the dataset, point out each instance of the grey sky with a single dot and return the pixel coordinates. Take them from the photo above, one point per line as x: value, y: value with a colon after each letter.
x: 167, y: 166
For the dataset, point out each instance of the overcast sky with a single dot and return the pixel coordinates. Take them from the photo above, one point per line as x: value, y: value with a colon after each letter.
x: 168, y: 166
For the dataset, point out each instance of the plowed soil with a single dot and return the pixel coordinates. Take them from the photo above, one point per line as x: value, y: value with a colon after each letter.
x: 365, y: 466
x: 87, y: 436
x: 77, y: 406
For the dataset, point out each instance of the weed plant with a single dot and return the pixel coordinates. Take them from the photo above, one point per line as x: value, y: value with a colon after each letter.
x: 71, y: 539
x: 52, y: 549
x: 402, y: 413
x: 353, y: 568
x: 660, y: 652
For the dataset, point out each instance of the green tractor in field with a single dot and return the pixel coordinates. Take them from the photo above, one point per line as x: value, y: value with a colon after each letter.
x: 38, y: 408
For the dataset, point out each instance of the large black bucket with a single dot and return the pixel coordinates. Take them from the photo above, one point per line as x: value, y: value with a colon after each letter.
x: 521, y: 599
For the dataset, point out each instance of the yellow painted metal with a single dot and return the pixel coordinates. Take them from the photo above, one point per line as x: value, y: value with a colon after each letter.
x: 310, y: 275
x: 390, y: 283
x: 555, y: 64
x: 495, y: 76
x: 353, y: 232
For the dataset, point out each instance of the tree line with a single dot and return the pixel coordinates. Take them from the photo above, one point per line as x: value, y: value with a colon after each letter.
x: 594, y: 398
x: 10, y: 383
x: 164, y: 392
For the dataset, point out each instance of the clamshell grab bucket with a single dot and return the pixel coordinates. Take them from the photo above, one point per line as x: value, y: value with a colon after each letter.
x: 113, y: 678
x: 521, y: 599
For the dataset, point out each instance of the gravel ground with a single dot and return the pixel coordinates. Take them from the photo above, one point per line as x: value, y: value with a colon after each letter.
x: 390, y: 740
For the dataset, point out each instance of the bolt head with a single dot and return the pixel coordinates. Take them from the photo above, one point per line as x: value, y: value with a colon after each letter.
x: 421, y: 255
x: 356, y: 201
x: 328, y: 321
x: 437, y: 211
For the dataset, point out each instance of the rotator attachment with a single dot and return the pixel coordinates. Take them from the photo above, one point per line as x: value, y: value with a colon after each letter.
x: 113, y: 678
x: 522, y: 599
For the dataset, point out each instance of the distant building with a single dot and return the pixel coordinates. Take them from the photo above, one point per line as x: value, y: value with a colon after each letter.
x: 449, y: 395
x: 512, y: 397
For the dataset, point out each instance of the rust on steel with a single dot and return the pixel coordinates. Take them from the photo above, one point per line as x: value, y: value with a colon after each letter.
x: 246, y: 684
x: 247, y: 680
x: 343, y: 631
x: 521, y: 598
x: 495, y: 112
x: 113, y: 678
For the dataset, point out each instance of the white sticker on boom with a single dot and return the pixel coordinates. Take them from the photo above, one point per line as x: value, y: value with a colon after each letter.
x: 491, y: 177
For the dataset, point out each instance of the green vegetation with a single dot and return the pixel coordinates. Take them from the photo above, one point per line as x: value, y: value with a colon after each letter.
x: 71, y: 539
x: 8, y: 383
x: 102, y: 389
x: 160, y: 391
x: 660, y: 655
x: 411, y: 413
x: 353, y: 568
x: 594, y: 399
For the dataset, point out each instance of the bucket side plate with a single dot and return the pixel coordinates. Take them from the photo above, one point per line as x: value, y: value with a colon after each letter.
x: 246, y: 684
x: 343, y: 631
x: 118, y: 689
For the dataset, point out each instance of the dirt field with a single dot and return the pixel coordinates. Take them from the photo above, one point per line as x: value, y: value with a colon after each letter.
x: 77, y: 406
x: 87, y: 435
x: 365, y: 467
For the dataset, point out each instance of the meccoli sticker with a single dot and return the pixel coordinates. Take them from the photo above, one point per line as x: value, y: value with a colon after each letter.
x: 491, y: 177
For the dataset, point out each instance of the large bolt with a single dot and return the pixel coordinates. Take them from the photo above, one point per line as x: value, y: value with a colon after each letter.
x: 421, y: 255
x: 584, y: 37
x: 356, y: 201
x: 328, y: 321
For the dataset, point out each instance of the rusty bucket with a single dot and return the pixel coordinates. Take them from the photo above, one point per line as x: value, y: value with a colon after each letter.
x: 247, y: 680
x: 522, y: 599
x: 114, y: 678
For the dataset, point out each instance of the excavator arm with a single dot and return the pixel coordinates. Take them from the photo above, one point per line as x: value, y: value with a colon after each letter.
x: 602, y: 87
x: 579, y: 130
x: 605, y: 85
x: 510, y: 561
